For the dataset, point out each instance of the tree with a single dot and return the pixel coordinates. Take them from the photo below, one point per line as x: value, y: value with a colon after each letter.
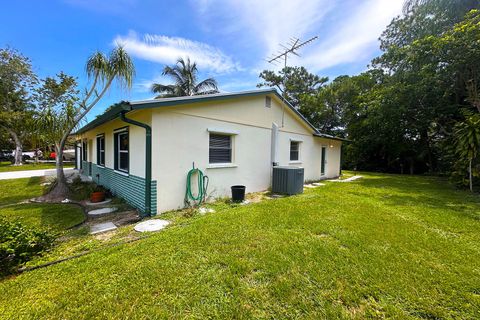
x: 293, y: 82
x: 467, y: 138
x: 17, y: 81
x: 185, y: 77
x: 62, y: 110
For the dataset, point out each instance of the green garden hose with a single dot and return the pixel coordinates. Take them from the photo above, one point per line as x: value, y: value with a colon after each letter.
x: 202, y: 181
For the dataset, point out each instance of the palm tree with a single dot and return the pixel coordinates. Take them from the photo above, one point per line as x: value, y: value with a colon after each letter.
x: 62, y: 111
x: 468, y: 142
x: 184, y: 75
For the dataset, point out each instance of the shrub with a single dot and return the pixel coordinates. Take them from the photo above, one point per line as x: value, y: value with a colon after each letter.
x: 19, y: 244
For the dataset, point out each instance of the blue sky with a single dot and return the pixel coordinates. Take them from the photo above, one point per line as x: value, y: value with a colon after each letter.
x: 228, y: 39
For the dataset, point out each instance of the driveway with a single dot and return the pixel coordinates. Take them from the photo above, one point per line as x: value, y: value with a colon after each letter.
x: 31, y: 173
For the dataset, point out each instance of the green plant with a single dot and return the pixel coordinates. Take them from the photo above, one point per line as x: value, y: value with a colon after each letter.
x: 19, y: 244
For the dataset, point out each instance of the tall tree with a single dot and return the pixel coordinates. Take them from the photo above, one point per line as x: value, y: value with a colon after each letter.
x: 17, y: 81
x: 62, y: 110
x: 185, y: 81
x: 467, y: 138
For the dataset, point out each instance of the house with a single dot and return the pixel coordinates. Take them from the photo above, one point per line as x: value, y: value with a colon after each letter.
x: 143, y: 150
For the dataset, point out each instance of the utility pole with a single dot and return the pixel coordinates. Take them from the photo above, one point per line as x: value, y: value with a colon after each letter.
x: 290, y: 48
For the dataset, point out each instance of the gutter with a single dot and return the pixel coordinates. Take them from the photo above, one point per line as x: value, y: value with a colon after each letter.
x: 148, y: 160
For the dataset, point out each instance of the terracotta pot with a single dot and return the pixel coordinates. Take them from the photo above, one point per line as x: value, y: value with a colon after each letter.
x: 98, y: 196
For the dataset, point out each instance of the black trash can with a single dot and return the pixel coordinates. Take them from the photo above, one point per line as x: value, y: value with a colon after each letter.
x: 238, y: 193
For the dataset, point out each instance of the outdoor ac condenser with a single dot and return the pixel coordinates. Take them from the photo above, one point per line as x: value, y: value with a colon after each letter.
x: 287, y: 180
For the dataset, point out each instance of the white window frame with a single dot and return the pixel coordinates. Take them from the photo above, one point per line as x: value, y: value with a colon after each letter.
x: 229, y: 134
x: 100, y: 151
x: 299, y: 151
x: 117, y: 141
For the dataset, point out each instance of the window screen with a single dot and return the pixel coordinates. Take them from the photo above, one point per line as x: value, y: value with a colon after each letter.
x: 220, y: 148
x: 101, y: 150
x: 294, y: 150
x: 121, y: 151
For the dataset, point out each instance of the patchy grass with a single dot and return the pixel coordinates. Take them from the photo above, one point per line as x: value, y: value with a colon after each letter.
x: 54, y: 216
x: 385, y: 246
x: 15, y: 190
x: 6, y: 166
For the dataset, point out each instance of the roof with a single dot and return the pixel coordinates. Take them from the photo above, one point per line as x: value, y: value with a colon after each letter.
x: 126, y: 106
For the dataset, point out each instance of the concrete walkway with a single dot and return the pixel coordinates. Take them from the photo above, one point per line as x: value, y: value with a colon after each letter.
x: 32, y: 173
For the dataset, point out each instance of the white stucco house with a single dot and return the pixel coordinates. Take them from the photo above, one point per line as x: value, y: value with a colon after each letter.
x: 143, y: 150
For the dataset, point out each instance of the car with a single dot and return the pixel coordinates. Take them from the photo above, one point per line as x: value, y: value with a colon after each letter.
x: 68, y: 155
x: 27, y: 155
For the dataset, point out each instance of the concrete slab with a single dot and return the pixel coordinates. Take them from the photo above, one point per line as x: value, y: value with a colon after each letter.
x: 151, y: 225
x: 99, y: 212
x: 102, y: 227
x: 310, y: 186
x: 318, y: 184
x: 89, y: 203
x: 347, y: 180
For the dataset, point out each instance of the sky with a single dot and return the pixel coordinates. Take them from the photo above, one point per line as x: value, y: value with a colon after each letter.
x: 229, y: 40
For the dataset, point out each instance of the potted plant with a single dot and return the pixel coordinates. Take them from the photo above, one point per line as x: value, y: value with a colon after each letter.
x: 98, y: 194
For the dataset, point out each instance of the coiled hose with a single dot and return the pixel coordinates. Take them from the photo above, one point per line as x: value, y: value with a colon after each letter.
x: 202, y: 181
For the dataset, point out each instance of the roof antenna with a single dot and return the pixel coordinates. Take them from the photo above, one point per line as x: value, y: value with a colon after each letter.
x: 290, y: 48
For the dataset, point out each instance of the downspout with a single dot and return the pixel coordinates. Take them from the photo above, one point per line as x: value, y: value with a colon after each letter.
x: 148, y: 160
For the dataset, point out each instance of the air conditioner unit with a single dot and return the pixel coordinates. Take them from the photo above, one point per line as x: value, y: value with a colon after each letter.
x: 287, y: 180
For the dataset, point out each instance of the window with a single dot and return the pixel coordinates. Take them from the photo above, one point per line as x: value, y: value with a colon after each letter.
x: 121, y: 151
x: 268, y: 102
x: 220, y: 150
x: 101, y: 150
x: 84, y: 150
x: 294, y: 150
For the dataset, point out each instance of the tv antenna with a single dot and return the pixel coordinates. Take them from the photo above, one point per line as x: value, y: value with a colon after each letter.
x: 290, y: 48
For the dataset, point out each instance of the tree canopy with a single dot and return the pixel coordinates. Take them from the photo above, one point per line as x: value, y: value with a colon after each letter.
x: 408, y: 111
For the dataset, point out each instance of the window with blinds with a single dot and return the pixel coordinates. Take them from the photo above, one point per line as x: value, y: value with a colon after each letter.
x: 220, y: 148
x: 294, y: 150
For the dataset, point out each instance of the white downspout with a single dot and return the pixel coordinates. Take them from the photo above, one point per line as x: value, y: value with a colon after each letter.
x: 274, y: 145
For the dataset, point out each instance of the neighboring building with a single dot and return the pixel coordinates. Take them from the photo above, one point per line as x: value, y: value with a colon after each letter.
x: 232, y: 137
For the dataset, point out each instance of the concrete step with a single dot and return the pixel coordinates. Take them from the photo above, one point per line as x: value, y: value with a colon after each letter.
x: 102, y: 227
x: 101, y: 211
x: 89, y: 203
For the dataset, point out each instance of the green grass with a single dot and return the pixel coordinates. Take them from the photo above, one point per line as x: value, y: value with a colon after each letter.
x: 15, y: 190
x: 385, y: 246
x: 6, y: 166
x: 56, y: 217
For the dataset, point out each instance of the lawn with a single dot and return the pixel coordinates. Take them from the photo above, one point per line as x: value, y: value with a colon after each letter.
x: 56, y: 217
x: 15, y: 190
x: 384, y: 246
x: 6, y: 166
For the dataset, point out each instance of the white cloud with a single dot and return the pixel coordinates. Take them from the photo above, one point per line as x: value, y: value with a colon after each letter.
x: 271, y: 21
x: 355, y: 40
x: 163, y: 49
x: 348, y: 30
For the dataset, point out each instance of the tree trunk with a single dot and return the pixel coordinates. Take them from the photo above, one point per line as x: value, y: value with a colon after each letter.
x: 18, y: 148
x: 470, y: 174
x: 61, y: 189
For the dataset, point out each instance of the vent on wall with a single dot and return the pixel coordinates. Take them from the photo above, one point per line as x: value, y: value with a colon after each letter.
x: 268, y: 102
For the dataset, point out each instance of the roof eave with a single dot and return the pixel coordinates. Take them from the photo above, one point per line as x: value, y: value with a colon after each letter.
x: 105, y: 117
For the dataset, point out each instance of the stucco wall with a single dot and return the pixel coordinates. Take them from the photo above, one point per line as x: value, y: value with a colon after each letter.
x: 136, y: 145
x: 180, y: 136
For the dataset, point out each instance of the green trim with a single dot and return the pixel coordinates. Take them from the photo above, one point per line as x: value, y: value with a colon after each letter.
x: 148, y: 159
x: 129, y: 187
x: 327, y: 136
